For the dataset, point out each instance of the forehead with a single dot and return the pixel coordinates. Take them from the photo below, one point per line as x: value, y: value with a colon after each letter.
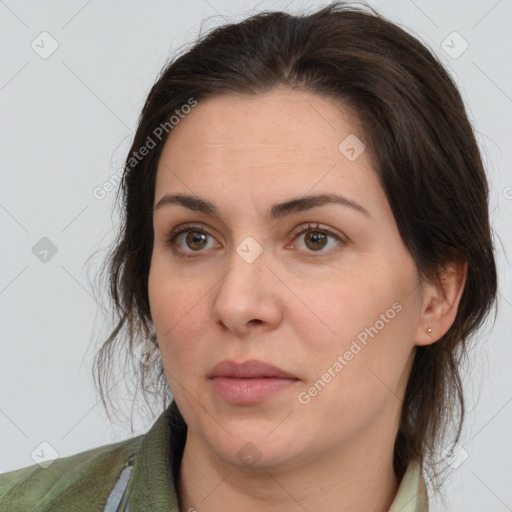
x: 279, y: 120
x: 282, y: 139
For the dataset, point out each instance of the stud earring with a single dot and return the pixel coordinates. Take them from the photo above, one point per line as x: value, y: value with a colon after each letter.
x: 429, y: 331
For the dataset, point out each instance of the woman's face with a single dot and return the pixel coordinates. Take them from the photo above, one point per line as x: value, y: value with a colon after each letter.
x: 326, y: 291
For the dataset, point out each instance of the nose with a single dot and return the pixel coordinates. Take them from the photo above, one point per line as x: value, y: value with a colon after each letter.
x: 248, y: 296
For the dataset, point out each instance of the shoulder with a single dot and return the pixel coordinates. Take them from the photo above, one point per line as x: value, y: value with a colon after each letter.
x: 66, y: 484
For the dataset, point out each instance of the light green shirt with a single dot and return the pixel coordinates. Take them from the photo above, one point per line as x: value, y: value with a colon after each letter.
x: 134, y: 475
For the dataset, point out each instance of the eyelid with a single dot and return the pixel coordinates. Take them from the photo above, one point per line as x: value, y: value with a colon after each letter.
x: 188, y: 226
x: 315, y: 226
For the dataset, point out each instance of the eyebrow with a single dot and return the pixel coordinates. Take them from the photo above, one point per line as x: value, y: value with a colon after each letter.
x: 277, y: 211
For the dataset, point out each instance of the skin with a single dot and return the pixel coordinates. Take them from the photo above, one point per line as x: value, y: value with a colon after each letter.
x: 294, y: 307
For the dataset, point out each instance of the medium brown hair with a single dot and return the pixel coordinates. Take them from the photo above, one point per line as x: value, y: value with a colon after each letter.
x: 425, y: 155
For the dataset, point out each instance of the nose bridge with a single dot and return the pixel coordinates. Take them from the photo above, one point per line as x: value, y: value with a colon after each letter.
x: 246, y: 265
x: 245, y: 293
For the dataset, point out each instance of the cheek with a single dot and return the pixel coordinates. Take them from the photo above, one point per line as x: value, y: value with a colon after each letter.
x: 361, y: 375
x: 354, y: 305
x: 172, y: 298
x: 174, y: 306
x: 371, y: 313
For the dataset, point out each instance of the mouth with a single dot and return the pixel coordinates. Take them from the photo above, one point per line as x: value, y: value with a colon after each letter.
x: 250, y: 382
x: 251, y: 369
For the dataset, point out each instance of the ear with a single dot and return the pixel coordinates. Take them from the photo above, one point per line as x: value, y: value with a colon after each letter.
x: 441, y: 303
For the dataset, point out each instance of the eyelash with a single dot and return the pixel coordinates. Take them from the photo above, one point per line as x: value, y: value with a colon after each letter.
x: 170, y: 239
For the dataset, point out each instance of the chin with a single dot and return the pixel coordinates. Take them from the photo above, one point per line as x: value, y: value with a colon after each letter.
x: 257, y: 445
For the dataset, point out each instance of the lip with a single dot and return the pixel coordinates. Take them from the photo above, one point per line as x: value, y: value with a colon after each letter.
x: 248, y: 369
x: 250, y: 382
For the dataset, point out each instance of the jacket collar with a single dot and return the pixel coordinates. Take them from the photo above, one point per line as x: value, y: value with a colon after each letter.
x: 153, y: 485
x: 412, y: 492
x: 154, y: 480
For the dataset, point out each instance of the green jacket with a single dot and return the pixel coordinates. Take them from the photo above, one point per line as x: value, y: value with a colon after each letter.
x: 134, y: 475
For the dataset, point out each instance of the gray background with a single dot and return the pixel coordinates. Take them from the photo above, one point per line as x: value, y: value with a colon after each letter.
x: 66, y: 124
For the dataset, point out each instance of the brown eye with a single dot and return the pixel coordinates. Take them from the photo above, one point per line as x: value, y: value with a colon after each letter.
x: 315, y: 240
x: 196, y: 240
x: 190, y: 240
x: 185, y: 240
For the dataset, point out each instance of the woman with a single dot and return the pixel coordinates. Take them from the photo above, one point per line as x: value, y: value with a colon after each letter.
x: 306, y: 243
